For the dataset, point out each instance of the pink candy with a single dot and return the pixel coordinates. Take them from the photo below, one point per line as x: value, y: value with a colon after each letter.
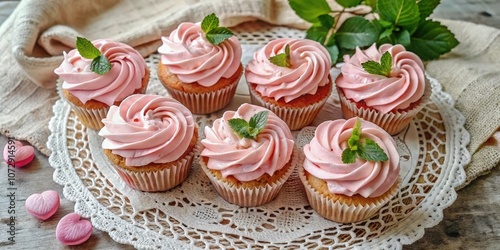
x: 43, y: 205
x: 72, y: 230
x: 17, y: 154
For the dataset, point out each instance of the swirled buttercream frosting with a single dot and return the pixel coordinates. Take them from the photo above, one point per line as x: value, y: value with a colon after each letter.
x: 404, y: 86
x: 193, y: 59
x: 247, y: 159
x: 125, y: 76
x: 323, y: 159
x: 148, y: 129
x: 310, y: 69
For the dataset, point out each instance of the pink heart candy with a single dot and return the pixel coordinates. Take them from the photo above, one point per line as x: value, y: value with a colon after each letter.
x: 17, y: 154
x: 72, y: 230
x: 43, y: 205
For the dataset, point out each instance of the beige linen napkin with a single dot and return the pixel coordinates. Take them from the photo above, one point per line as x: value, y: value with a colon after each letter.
x: 35, y: 35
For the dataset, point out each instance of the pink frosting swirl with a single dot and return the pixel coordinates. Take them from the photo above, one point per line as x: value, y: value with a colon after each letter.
x: 127, y: 70
x: 190, y: 56
x: 324, y: 159
x: 243, y: 158
x: 148, y: 129
x: 310, y: 69
x: 405, y: 85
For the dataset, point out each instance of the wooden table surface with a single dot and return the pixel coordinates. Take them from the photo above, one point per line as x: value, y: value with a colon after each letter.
x: 471, y: 222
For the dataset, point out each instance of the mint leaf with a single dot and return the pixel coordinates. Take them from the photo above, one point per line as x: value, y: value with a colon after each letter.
x: 348, y: 3
x: 371, y: 151
x: 209, y: 23
x: 353, y: 140
x: 100, y: 65
x: 310, y: 10
x: 240, y: 127
x: 402, y: 13
x: 348, y: 156
x: 259, y: 120
x: 426, y: 7
x: 86, y: 48
x: 251, y: 128
x: 431, y: 40
x: 282, y: 59
x: 218, y: 35
x: 356, y: 32
x: 383, y: 68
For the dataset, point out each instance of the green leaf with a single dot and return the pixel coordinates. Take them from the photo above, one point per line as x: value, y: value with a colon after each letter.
x: 348, y: 156
x: 426, y: 7
x: 326, y: 20
x: 333, y: 50
x: 249, y: 129
x: 371, y: 151
x: 209, y: 23
x: 353, y: 140
x: 402, y: 13
x: 218, y: 35
x: 348, y: 3
x: 86, y: 48
x: 310, y: 10
x: 372, y: 4
x: 402, y: 37
x: 386, y: 33
x: 383, y: 68
x: 259, y: 120
x: 282, y: 59
x: 240, y: 127
x: 431, y: 40
x: 100, y: 65
x: 356, y: 31
x: 317, y: 33
x: 385, y: 24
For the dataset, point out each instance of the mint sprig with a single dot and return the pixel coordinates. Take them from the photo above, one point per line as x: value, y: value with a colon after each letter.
x: 282, y: 59
x: 251, y: 128
x: 383, y: 68
x: 404, y: 22
x: 363, y: 148
x: 100, y: 63
x: 214, y: 33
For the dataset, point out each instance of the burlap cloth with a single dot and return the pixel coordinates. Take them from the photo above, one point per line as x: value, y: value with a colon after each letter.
x: 35, y: 35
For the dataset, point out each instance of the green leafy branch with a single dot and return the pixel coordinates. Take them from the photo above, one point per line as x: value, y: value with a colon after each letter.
x: 404, y: 22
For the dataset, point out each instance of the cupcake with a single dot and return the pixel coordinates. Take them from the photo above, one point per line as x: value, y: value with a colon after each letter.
x: 197, y: 71
x: 150, y: 141
x: 248, y: 155
x: 386, y: 90
x: 91, y: 90
x: 351, y: 169
x: 294, y: 85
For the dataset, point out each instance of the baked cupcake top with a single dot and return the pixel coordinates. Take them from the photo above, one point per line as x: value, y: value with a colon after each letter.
x: 194, y: 59
x: 325, y: 157
x: 309, y: 69
x: 128, y: 68
x: 403, y: 84
x: 148, y: 129
x: 244, y: 158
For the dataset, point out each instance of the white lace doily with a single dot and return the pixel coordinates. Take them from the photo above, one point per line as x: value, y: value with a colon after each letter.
x: 433, y: 154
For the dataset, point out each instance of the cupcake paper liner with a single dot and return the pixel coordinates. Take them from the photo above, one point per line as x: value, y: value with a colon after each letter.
x: 91, y: 118
x: 340, y: 212
x: 205, y: 103
x: 393, y: 123
x: 295, y: 118
x: 158, y: 180
x: 250, y: 197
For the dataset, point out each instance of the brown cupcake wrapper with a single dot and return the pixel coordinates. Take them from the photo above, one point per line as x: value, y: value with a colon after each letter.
x: 207, y: 102
x: 250, y: 197
x: 340, y: 212
x: 295, y: 118
x: 90, y: 118
x: 158, y: 180
x: 391, y: 122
